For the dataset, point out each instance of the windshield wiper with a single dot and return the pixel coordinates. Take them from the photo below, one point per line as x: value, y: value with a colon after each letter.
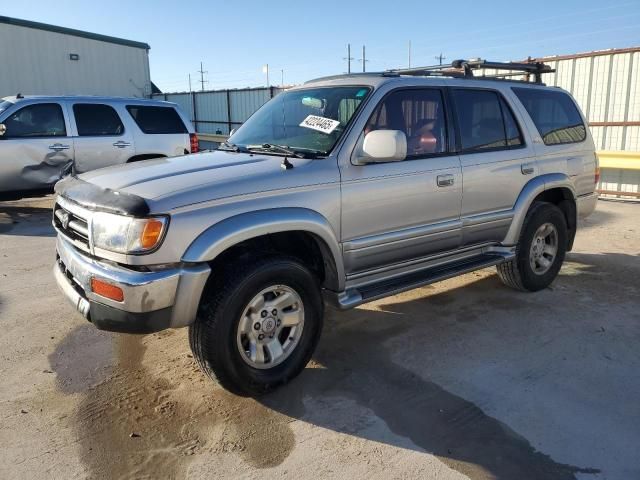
x: 228, y: 147
x: 279, y: 149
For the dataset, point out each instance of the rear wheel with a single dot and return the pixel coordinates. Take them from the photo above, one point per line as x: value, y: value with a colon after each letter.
x: 540, y: 251
x: 259, y: 328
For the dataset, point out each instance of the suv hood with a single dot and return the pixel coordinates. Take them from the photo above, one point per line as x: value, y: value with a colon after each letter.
x: 168, y: 183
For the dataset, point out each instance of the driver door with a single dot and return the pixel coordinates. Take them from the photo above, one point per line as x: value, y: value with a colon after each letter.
x: 403, y: 210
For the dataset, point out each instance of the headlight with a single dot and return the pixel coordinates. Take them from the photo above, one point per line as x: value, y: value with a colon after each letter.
x: 122, y: 234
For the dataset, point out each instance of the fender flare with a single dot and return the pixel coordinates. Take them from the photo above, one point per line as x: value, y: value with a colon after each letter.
x: 233, y: 230
x: 530, y: 191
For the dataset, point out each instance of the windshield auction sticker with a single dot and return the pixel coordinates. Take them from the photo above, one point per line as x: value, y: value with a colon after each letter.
x: 321, y: 124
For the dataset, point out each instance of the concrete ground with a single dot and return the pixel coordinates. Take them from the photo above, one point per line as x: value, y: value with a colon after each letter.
x: 463, y: 379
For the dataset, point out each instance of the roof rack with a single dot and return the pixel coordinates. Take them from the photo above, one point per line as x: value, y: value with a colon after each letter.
x: 465, y: 69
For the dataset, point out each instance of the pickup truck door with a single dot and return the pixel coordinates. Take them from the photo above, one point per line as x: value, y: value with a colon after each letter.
x: 100, y: 138
x: 398, y: 211
x: 36, y: 147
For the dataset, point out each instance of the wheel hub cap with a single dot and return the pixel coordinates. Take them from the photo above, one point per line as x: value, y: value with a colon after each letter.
x: 544, y: 248
x: 270, y: 327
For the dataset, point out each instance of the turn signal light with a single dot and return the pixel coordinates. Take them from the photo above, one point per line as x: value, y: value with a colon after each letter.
x: 151, y: 234
x: 107, y: 290
x: 193, y: 140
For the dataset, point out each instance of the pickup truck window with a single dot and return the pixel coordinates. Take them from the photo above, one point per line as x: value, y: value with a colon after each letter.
x: 94, y: 120
x: 554, y: 114
x: 157, y: 120
x: 305, y: 120
x: 40, y: 120
x: 485, y: 121
x: 419, y: 113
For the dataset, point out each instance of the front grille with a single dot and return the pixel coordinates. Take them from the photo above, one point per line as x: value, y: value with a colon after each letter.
x: 72, y: 226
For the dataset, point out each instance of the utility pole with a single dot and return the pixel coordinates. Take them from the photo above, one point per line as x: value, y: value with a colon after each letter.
x: 202, y: 80
x: 440, y: 58
x: 282, y: 77
x: 189, y: 83
x: 348, y: 58
x: 363, y: 59
x: 265, y: 69
x: 409, y: 53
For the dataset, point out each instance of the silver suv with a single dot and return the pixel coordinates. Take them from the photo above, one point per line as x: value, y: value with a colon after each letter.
x: 43, y: 137
x: 341, y: 191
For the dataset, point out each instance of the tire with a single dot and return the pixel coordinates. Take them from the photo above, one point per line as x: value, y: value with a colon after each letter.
x: 520, y: 273
x: 223, y: 337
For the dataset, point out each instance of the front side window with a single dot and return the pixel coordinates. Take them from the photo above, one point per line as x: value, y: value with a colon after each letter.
x: 309, y: 120
x: 157, y: 120
x: 554, y: 114
x: 419, y: 114
x: 40, y: 120
x: 485, y: 122
x: 94, y: 120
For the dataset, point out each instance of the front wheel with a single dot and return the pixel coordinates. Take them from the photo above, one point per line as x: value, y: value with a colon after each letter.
x: 540, y: 251
x: 259, y: 326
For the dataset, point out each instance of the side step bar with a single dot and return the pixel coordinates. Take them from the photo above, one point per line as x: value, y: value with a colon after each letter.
x: 357, y: 296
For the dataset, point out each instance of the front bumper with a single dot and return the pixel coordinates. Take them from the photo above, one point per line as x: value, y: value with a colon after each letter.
x: 152, y: 300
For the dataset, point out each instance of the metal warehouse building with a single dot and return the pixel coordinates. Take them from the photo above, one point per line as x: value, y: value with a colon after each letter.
x: 42, y: 59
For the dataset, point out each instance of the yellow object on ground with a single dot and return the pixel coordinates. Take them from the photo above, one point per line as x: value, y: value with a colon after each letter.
x: 620, y: 159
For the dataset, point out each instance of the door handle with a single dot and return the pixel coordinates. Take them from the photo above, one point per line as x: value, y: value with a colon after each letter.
x: 527, y: 168
x: 121, y: 144
x: 58, y: 147
x: 445, y: 180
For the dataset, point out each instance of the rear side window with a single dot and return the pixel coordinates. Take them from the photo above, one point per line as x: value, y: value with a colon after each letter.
x: 95, y: 120
x: 555, y: 115
x: 485, y: 121
x: 156, y: 120
x: 41, y: 120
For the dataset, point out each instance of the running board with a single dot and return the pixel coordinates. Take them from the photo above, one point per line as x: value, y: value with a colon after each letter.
x: 367, y: 293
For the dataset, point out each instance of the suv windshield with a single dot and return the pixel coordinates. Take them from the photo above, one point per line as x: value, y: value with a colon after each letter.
x: 307, y: 121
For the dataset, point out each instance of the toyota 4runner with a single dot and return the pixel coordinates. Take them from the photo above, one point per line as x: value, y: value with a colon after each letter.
x: 341, y: 191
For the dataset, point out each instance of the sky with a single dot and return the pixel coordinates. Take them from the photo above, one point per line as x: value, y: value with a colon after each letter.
x: 304, y: 39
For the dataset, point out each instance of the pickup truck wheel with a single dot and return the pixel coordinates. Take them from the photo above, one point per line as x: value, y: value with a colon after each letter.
x: 258, y: 328
x: 540, y: 250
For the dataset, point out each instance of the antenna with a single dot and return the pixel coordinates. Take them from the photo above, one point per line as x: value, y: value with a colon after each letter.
x: 440, y: 58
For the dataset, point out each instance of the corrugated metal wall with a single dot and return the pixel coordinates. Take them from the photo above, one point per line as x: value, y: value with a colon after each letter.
x: 218, y: 111
x: 36, y: 62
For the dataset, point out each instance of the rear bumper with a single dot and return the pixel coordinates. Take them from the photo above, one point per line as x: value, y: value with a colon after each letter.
x: 152, y: 301
x: 586, y: 204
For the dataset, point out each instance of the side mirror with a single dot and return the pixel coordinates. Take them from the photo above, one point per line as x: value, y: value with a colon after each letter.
x: 3, y: 129
x: 383, y: 146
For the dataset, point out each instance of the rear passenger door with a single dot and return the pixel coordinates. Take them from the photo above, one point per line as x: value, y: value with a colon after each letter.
x: 100, y: 138
x: 496, y: 163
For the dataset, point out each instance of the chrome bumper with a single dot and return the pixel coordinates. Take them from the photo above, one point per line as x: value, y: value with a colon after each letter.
x: 174, y: 291
x: 586, y: 204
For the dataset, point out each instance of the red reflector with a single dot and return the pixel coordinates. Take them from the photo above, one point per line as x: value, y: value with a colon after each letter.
x: 107, y: 290
x: 597, y: 175
x: 193, y: 139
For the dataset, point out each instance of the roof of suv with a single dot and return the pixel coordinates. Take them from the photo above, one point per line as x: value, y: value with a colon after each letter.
x: 85, y: 98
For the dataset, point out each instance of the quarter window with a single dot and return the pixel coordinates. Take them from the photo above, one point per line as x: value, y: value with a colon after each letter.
x: 41, y: 120
x: 157, y: 120
x: 94, y: 120
x: 554, y: 114
x: 419, y: 113
x: 485, y: 121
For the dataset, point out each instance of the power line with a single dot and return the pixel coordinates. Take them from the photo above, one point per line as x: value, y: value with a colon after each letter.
x: 348, y: 58
x: 363, y: 59
x: 202, y: 80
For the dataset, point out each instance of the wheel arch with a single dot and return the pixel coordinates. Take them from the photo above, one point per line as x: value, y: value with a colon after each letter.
x: 554, y: 188
x: 273, y: 224
x: 145, y: 156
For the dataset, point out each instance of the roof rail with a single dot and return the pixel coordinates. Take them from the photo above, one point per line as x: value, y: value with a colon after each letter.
x: 465, y: 69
